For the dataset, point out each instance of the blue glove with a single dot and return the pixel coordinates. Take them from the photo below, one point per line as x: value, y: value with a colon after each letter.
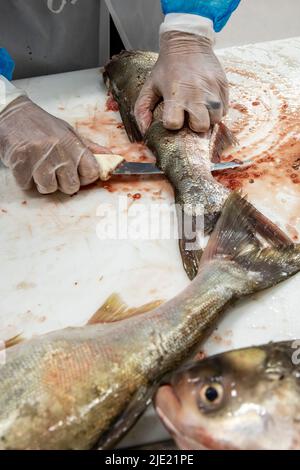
x: 219, y: 11
x: 7, y: 65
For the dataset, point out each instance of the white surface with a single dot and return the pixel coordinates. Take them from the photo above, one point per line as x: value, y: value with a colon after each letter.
x: 55, y: 272
x: 261, y: 20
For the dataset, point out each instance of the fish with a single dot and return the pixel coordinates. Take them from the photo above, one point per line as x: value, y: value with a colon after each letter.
x: 245, y: 399
x: 85, y: 387
x: 185, y: 157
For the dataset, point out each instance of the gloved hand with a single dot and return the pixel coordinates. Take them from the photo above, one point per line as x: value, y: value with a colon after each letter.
x: 43, y: 150
x: 189, y: 78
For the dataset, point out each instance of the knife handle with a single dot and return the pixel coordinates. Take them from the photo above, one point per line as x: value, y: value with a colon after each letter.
x: 108, y: 163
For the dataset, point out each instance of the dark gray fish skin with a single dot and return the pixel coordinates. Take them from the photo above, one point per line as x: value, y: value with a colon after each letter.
x: 184, y: 156
x: 238, y: 400
x: 74, y: 388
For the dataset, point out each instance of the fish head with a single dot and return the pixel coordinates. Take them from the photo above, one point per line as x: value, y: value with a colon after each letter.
x: 234, y: 401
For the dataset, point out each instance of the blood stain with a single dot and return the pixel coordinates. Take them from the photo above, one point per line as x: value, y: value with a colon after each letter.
x: 111, y: 104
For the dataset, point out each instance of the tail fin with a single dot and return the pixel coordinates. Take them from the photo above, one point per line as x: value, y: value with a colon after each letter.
x: 258, y: 225
x: 236, y: 238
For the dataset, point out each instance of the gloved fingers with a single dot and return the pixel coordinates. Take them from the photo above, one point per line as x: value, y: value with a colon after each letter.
x: 144, y: 106
x: 224, y: 95
x: 88, y: 168
x: 68, y: 178
x: 199, y: 119
x: 215, y: 110
x: 59, y: 168
x: 173, y: 115
x: 21, y: 167
x: 45, y: 178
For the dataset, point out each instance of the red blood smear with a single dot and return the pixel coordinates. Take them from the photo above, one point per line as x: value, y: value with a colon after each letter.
x: 240, y: 107
x: 255, y: 103
x: 137, y: 196
x: 280, y: 164
x: 109, y: 188
x: 111, y: 104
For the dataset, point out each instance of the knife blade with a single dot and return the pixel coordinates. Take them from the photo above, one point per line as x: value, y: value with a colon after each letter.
x: 138, y: 168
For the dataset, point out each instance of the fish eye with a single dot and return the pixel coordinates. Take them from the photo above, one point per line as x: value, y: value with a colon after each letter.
x: 210, y: 396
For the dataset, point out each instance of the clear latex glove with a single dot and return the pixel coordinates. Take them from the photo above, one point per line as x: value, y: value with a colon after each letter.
x: 190, y: 79
x: 43, y: 150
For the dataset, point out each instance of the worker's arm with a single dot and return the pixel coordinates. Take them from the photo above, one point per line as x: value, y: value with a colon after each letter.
x: 39, y: 148
x: 188, y: 75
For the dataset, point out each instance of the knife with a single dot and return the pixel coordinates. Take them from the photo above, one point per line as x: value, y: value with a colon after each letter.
x: 136, y: 168
x: 116, y: 165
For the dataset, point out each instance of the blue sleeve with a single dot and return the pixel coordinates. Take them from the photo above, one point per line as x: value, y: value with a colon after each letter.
x: 219, y: 11
x: 7, y: 65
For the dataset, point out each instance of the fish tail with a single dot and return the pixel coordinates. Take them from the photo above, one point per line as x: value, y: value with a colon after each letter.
x: 242, y: 235
x: 260, y: 225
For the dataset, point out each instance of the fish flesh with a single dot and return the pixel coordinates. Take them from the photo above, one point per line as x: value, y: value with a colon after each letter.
x: 184, y: 156
x: 82, y: 387
x: 246, y: 399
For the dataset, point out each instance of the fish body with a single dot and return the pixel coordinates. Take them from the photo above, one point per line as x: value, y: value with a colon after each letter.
x: 247, y: 399
x: 82, y: 387
x: 184, y: 156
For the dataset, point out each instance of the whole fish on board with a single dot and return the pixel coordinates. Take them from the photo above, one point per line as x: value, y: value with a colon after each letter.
x: 246, y: 399
x: 79, y: 387
x: 185, y: 157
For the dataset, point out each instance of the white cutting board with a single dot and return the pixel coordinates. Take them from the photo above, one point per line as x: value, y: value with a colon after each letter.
x: 55, y: 271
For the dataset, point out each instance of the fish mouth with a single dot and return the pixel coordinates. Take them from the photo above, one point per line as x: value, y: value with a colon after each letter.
x: 168, y: 405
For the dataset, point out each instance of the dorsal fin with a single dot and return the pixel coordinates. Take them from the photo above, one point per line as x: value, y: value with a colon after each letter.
x: 10, y: 342
x: 115, y: 309
x: 222, y: 138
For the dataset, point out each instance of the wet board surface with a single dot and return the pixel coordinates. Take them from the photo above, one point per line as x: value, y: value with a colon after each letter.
x: 59, y: 262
